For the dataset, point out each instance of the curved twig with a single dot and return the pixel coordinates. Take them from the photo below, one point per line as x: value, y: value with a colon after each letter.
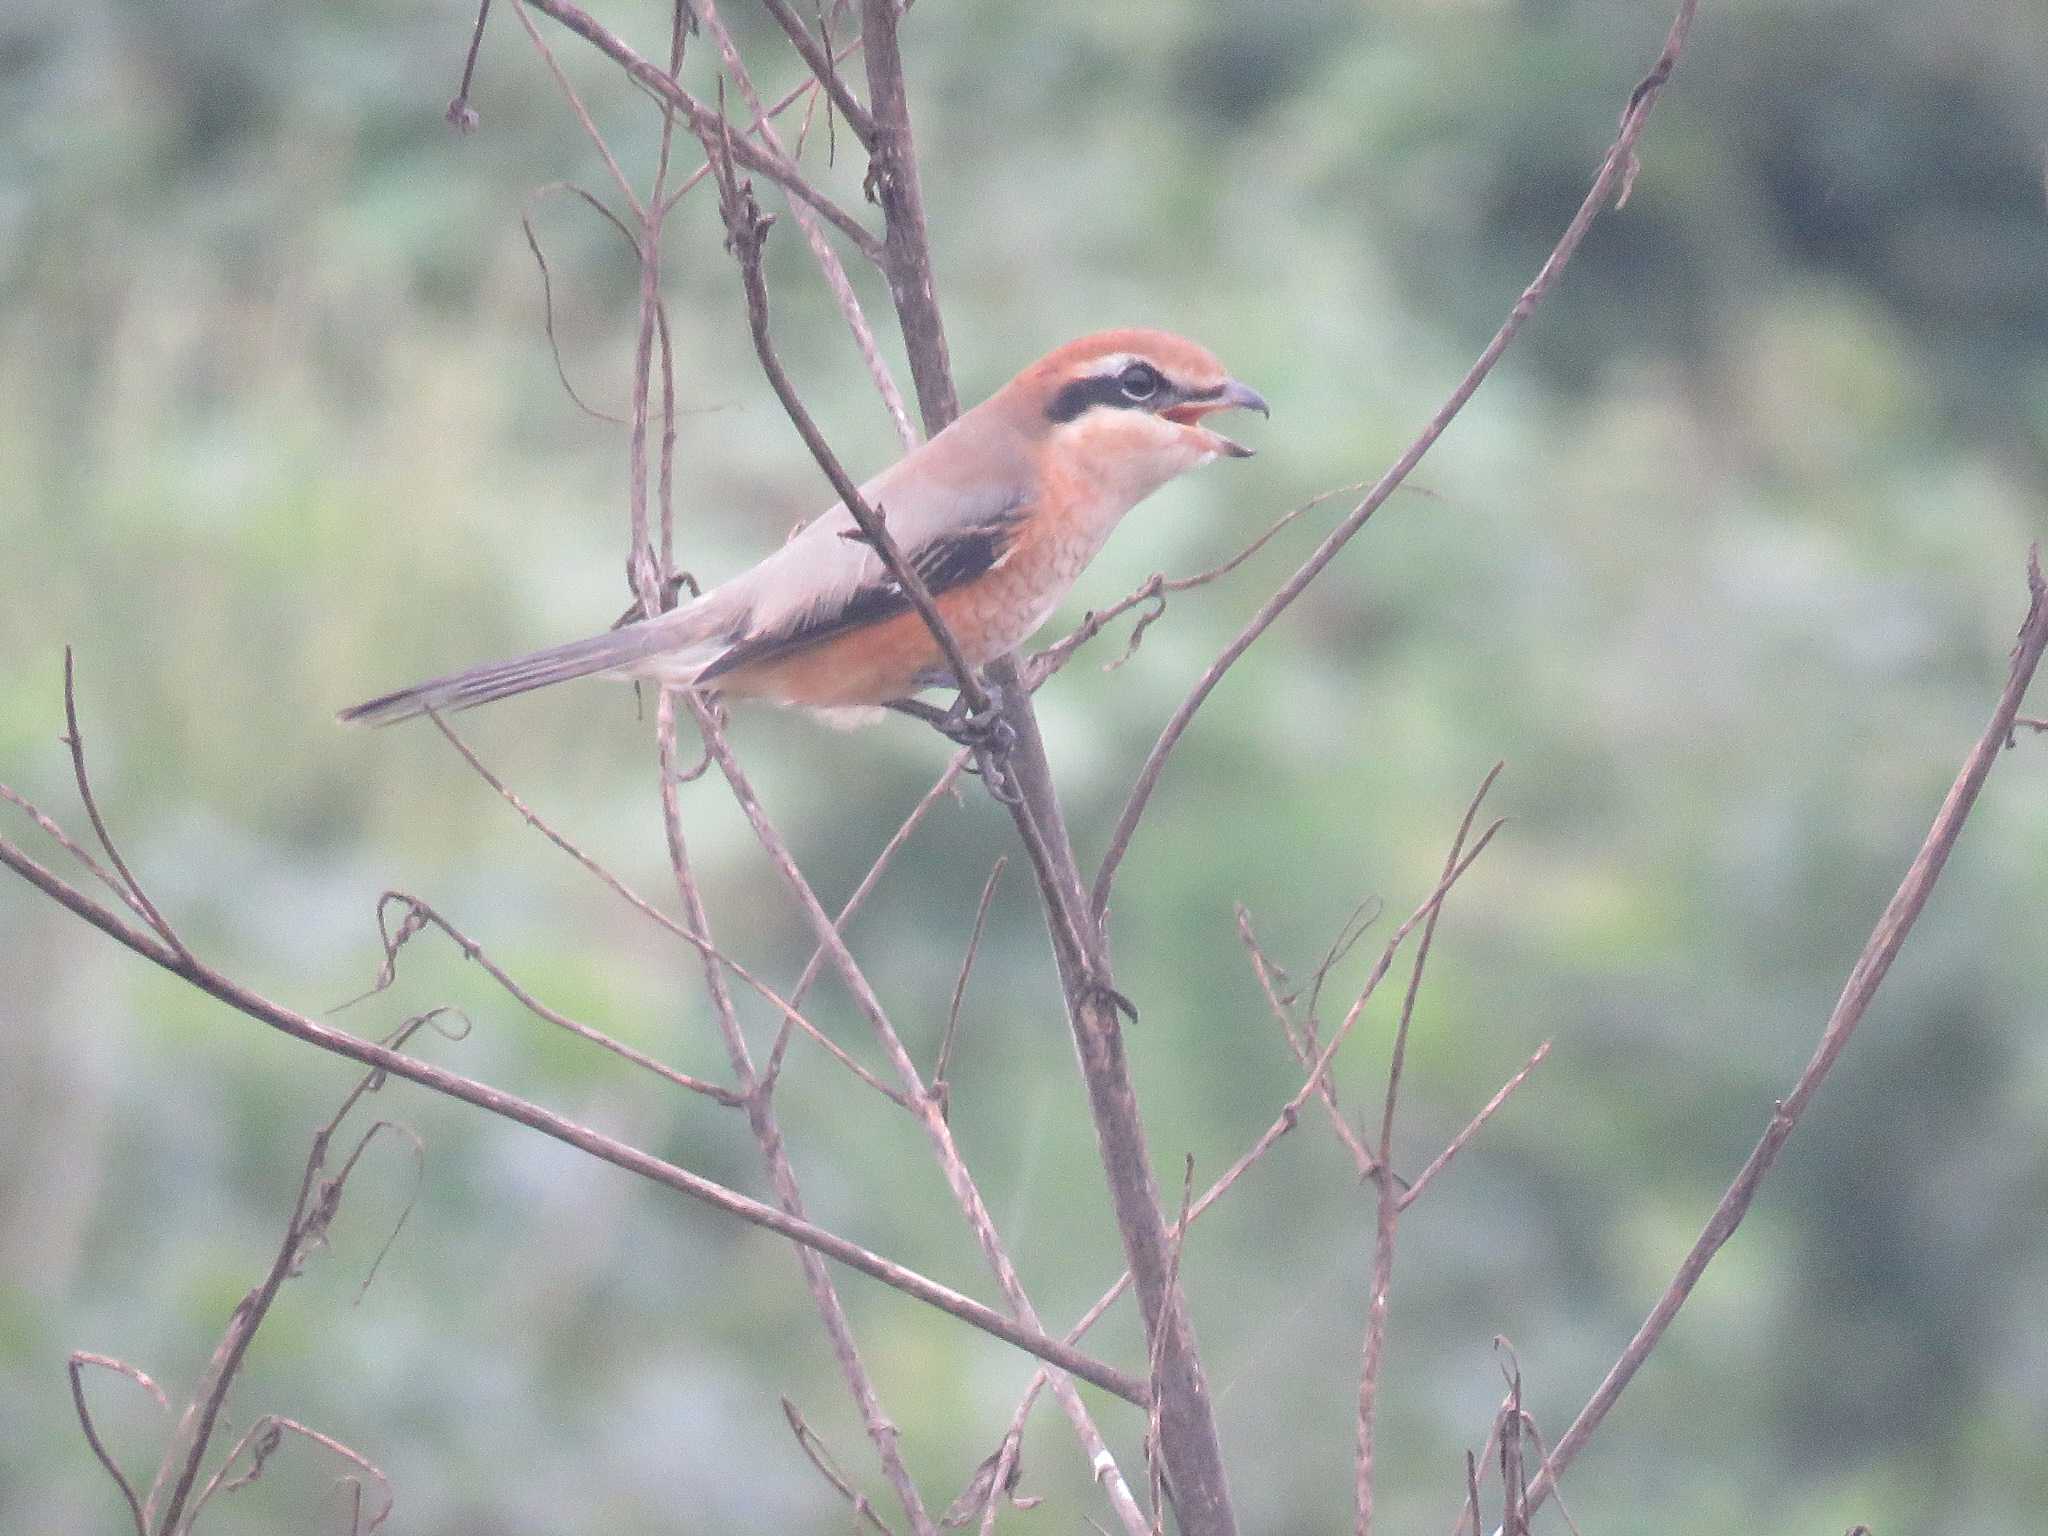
x: 76, y: 1366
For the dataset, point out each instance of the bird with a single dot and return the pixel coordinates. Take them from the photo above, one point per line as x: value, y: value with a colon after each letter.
x: 998, y: 513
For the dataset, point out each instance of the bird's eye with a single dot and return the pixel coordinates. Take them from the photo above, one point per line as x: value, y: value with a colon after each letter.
x: 1140, y: 381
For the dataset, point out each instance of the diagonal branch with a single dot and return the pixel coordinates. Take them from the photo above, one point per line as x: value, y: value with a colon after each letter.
x: 1865, y: 977
x: 605, y: 1148
x: 701, y: 120
x: 931, y: 1116
x: 825, y: 67
x: 1616, y: 171
x: 829, y: 265
x: 745, y: 230
x: 906, y: 259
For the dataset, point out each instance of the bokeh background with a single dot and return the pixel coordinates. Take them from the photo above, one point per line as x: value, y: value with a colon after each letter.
x: 1724, y: 561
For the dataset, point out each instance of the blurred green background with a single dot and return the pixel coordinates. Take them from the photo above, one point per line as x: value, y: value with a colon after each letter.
x: 1724, y: 561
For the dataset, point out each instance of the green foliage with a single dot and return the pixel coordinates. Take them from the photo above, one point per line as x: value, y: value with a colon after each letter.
x: 1724, y: 561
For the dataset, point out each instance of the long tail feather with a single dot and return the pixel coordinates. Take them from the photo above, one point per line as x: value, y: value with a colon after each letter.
x: 501, y: 679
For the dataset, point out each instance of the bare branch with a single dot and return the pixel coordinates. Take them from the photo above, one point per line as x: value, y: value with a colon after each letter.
x: 136, y: 897
x: 1284, y: 1122
x: 807, y: 93
x: 461, y: 115
x: 945, y: 1151
x: 582, y: 112
x: 1617, y: 165
x: 792, y: 1018
x: 1302, y: 1046
x: 547, y: 285
x: 70, y: 845
x: 605, y: 1148
x: 1387, y: 1207
x: 420, y: 915
x: 701, y: 120
x: 906, y: 258
x: 80, y: 1359
x: 824, y: 67
x: 1478, y: 1123
x: 821, y: 250
x: 746, y: 230
x: 261, y: 1442
x: 1865, y: 977
x: 1043, y: 664
x: 828, y: 1467
x: 1415, y: 969
x: 939, y: 1086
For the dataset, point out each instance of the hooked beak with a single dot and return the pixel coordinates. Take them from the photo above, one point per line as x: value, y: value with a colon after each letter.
x: 1231, y: 396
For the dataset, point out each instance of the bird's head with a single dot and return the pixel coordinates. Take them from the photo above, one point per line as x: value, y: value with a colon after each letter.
x: 1125, y: 408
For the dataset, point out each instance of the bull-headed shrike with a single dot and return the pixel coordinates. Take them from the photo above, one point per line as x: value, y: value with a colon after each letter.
x: 998, y: 513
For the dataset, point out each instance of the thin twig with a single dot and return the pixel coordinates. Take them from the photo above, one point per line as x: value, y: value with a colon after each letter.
x: 791, y: 1016
x: 945, y: 1150
x: 1153, y: 590
x: 461, y: 115
x: 829, y: 266
x: 1514, y: 1480
x: 605, y: 1148
x: 70, y: 845
x: 939, y: 1085
x: 1473, y: 1127
x: 313, y: 1212
x: 420, y: 915
x: 74, y: 738
x: 1400, y: 1052
x: 941, y: 788
x: 806, y: 92
x: 547, y: 284
x: 262, y: 1440
x: 1613, y: 169
x: 1387, y: 1205
x: 819, y: 1456
x: 746, y: 230
x: 761, y: 1117
x: 701, y: 120
x: 582, y: 112
x: 1302, y: 1046
x: 824, y: 68
x: 1285, y: 1121
x: 1865, y: 977
x: 79, y: 1360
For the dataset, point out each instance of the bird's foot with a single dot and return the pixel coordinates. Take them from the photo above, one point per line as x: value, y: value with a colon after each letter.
x: 984, y: 732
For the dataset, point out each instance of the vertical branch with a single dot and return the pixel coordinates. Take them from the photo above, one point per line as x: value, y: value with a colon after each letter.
x: 1188, y: 1440
x: 829, y: 265
x: 651, y: 570
x: 906, y: 243
x: 1388, y: 1206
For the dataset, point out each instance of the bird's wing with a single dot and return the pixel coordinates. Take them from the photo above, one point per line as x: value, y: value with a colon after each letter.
x: 862, y: 591
x: 953, y: 513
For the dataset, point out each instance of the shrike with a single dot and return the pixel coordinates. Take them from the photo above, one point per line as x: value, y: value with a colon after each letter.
x: 998, y: 513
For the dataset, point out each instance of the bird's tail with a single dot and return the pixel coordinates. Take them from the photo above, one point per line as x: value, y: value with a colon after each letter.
x: 614, y: 650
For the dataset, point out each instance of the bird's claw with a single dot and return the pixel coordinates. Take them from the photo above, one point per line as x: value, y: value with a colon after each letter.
x: 983, y: 730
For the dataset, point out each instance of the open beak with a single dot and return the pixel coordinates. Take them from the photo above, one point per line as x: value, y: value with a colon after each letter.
x: 1232, y: 396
